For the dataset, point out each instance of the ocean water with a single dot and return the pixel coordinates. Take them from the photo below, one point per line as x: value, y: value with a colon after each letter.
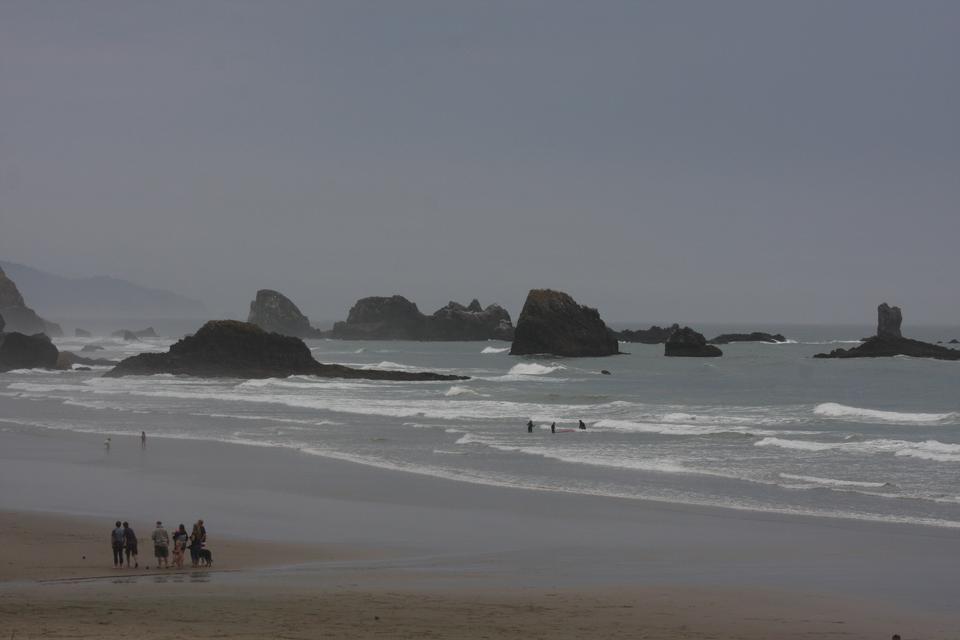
x: 766, y: 427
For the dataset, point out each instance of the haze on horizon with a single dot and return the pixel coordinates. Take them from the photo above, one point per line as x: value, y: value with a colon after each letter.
x: 663, y: 161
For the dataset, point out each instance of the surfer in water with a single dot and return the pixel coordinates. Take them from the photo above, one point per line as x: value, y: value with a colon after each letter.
x: 583, y: 426
x: 529, y: 426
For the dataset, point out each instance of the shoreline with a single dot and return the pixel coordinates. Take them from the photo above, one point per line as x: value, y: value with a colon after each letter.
x: 304, y: 541
x: 649, y: 502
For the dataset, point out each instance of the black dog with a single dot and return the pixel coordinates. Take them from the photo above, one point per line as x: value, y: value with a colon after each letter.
x: 206, y: 558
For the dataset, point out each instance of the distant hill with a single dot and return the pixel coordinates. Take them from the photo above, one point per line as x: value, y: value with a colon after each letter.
x: 97, y: 297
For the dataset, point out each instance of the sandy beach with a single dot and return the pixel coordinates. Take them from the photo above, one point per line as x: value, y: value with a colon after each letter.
x: 308, y: 546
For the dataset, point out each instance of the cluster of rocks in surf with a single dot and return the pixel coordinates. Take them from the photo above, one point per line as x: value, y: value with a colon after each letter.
x: 653, y: 335
x: 688, y: 343
x: 552, y: 322
x: 889, y: 342
x: 397, y: 318
x: 234, y: 349
x: 134, y: 336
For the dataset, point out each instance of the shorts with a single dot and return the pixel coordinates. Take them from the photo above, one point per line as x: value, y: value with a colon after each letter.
x: 132, y: 549
x: 159, y: 552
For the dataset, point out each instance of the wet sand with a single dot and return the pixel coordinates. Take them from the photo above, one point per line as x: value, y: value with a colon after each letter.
x: 313, y: 547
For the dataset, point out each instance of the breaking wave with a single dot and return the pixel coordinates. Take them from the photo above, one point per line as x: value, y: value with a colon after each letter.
x: 842, y: 411
x: 533, y: 369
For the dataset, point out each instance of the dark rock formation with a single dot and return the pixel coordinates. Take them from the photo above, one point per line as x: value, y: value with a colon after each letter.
x: 91, y: 347
x: 888, y: 321
x: 686, y: 342
x: 273, y: 311
x: 20, y: 351
x: 552, y: 322
x: 889, y: 342
x: 381, y: 318
x: 954, y: 341
x: 457, y: 322
x: 396, y: 318
x: 756, y: 336
x: 19, y: 317
x: 653, y: 335
x: 82, y: 333
x: 133, y: 336
x: 232, y: 349
x: 66, y: 360
x: 3, y: 323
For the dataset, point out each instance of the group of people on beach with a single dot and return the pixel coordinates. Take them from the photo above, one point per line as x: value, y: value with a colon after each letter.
x: 124, y: 543
x: 553, y: 426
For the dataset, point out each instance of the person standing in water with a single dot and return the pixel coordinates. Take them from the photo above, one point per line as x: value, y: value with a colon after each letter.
x: 529, y: 426
x: 553, y: 428
x: 583, y: 426
x: 143, y: 439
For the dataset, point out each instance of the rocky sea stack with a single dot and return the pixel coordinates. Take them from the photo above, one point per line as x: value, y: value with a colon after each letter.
x: 18, y: 315
x: 273, y: 311
x: 890, y: 342
x: 19, y: 351
x: 755, y: 336
x: 233, y: 349
x: 686, y: 342
x: 552, y: 322
x: 396, y: 318
x: 653, y: 335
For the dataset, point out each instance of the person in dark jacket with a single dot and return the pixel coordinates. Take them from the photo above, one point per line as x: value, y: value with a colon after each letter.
x: 130, y: 545
x: 117, y: 540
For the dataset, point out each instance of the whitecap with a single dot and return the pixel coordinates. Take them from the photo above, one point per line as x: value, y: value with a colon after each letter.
x: 459, y: 390
x: 533, y: 369
x: 495, y: 349
x: 832, y: 482
x: 842, y: 411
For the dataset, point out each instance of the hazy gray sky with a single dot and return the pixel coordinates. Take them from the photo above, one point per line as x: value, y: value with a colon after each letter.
x: 693, y: 161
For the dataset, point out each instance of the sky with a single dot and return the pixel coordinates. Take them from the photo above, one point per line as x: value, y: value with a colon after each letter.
x: 666, y: 161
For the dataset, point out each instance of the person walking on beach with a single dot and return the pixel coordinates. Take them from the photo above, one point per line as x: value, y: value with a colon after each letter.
x: 583, y: 425
x: 180, y: 538
x: 529, y: 426
x: 161, y: 544
x: 143, y: 439
x: 130, y: 544
x: 117, y: 538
